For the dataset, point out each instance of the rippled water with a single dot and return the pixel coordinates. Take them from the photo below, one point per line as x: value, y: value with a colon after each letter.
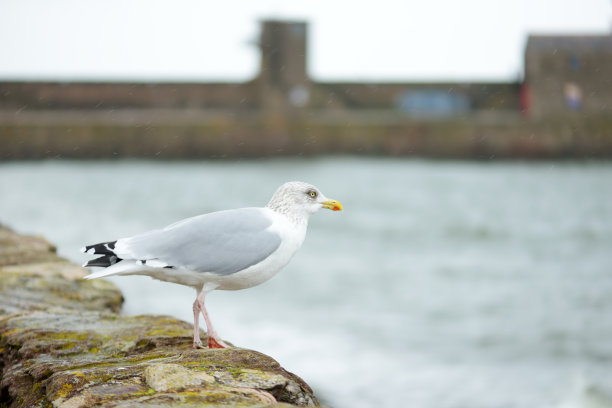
x: 442, y: 284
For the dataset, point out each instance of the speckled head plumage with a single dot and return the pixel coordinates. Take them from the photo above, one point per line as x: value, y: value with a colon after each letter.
x: 297, y: 198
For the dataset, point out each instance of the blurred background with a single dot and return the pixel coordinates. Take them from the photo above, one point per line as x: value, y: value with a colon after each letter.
x: 469, y: 142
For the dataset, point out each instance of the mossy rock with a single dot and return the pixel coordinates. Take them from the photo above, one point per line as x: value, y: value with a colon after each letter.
x: 92, y: 358
x: 17, y: 249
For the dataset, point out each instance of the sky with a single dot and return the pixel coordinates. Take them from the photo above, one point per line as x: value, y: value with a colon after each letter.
x: 198, y: 40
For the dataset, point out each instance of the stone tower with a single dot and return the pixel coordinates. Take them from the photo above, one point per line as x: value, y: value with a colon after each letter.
x: 283, y: 79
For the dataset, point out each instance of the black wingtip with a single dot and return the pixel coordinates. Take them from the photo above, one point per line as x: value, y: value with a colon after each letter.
x: 103, y: 248
x: 103, y: 261
x: 106, y: 249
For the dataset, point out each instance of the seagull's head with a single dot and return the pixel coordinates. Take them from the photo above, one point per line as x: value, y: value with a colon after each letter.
x: 299, y: 198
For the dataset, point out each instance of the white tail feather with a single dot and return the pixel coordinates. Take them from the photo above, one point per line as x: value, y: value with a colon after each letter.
x: 120, y: 268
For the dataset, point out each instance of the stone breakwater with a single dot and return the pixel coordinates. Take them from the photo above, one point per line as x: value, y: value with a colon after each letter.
x: 64, y: 344
x: 194, y: 134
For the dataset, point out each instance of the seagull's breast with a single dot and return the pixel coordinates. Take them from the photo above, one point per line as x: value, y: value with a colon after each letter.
x: 292, y: 236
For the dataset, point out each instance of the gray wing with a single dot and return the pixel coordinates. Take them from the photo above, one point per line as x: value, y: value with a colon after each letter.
x: 223, y: 242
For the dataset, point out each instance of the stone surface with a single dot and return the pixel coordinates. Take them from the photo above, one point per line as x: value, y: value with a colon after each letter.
x: 170, y: 377
x: 62, y: 344
x: 20, y: 249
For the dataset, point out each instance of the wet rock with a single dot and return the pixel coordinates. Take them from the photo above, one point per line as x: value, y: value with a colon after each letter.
x: 62, y: 344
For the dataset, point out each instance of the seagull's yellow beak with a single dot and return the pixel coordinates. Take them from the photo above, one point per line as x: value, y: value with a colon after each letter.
x: 332, y: 205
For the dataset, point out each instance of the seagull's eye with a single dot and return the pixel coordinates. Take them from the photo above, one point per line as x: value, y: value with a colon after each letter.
x: 313, y: 194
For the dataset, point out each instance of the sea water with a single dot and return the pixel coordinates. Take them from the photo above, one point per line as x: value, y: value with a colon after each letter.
x: 441, y: 284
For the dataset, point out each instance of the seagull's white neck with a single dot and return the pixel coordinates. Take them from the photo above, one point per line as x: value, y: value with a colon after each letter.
x: 298, y: 216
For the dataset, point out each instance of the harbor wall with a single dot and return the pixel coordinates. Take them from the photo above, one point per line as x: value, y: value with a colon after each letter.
x: 201, y: 134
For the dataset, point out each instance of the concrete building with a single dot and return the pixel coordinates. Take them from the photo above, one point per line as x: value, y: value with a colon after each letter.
x: 568, y: 75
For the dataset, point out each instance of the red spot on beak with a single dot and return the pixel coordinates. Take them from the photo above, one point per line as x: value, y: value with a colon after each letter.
x: 336, y: 208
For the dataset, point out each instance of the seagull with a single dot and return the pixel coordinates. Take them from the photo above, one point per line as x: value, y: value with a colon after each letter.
x: 224, y: 250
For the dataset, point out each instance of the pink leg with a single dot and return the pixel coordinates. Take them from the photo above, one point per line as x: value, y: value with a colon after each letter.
x: 213, y: 339
x: 197, y: 344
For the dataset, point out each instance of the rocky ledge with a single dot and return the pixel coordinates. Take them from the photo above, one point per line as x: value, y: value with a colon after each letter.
x: 63, y: 344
